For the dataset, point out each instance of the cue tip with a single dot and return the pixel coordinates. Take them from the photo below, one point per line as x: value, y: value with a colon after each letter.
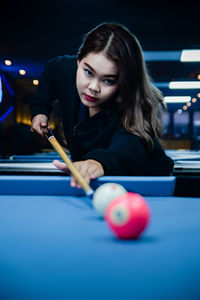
x: 90, y: 193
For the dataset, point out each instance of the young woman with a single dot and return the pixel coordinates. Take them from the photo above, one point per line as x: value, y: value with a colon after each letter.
x: 110, y: 109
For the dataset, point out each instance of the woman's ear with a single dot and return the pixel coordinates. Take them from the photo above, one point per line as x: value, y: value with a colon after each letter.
x: 78, y: 62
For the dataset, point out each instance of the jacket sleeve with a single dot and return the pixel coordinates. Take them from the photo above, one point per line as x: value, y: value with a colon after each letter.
x: 41, y: 102
x: 127, y: 155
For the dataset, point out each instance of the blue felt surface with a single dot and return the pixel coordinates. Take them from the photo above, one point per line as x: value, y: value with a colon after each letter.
x: 56, y: 247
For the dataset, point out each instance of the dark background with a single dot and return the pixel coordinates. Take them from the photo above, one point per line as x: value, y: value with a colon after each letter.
x: 43, y: 29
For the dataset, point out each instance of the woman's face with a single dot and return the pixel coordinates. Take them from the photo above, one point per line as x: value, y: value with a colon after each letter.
x: 96, y: 80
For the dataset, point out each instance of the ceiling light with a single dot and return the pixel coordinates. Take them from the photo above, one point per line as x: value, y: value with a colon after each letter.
x: 8, y: 62
x: 184, y: 85
x: 35, y: 82
x: 190, y: 55
x: 22, y: 72
x: 178, y: 99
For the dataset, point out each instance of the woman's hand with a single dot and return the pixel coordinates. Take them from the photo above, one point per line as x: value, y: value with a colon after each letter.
x: 89, y: 169
x: 40, y: 124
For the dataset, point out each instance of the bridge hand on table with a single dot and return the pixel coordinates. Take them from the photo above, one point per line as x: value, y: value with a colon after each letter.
x: 89, y: 169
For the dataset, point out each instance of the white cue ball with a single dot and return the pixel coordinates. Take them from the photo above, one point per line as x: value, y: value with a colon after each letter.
x: 105, y: 194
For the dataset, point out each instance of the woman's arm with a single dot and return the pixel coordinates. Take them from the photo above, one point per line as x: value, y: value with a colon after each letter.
x: 127, y: 155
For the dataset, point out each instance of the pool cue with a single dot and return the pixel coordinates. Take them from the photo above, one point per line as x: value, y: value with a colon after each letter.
x: 88, y: 190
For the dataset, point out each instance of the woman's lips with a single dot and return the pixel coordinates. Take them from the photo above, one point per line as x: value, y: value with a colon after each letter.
x: 91, y: 99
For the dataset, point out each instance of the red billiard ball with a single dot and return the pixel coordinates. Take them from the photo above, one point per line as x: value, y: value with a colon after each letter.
x: 128, y: 215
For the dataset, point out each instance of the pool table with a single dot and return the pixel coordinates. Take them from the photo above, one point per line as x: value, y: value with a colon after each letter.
x: 186, y: 168
x: 53, y: 244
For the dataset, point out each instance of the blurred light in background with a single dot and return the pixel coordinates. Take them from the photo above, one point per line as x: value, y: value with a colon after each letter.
x: 190, y: 55
x: 1, y: 91
x: 7, y: 85
x: 162, y: 55
x: 8, y: 62
x: 22, y: 72
x: 178, y: 99
x: 35, y: 82
x: 4, y: 116
x: 184, y: 85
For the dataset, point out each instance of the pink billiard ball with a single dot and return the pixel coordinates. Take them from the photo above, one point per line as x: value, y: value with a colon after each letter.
x: 128, y: 215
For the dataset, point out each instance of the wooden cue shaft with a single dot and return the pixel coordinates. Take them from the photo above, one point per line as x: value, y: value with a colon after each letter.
x: 88, y: 190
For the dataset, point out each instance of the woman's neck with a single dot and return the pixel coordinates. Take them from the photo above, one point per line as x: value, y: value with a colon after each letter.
x: 93, y: 111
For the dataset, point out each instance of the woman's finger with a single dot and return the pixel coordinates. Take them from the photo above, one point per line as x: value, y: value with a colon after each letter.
x: 61, y: 166
x: 89, y: 169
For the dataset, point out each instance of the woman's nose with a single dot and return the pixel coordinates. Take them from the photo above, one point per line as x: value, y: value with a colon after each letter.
x: 94, y: 86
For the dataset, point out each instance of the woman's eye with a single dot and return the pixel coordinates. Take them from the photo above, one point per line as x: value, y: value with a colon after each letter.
x: 109, y: 82
x: 88, y: 72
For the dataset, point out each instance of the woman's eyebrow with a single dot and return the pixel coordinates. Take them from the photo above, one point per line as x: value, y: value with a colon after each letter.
x: 108, y: 75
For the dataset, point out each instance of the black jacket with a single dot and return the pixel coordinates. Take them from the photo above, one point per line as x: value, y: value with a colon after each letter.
x: 100, y: 137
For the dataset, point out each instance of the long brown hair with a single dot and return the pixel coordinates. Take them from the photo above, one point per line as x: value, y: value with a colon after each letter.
x: 141, y: 102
